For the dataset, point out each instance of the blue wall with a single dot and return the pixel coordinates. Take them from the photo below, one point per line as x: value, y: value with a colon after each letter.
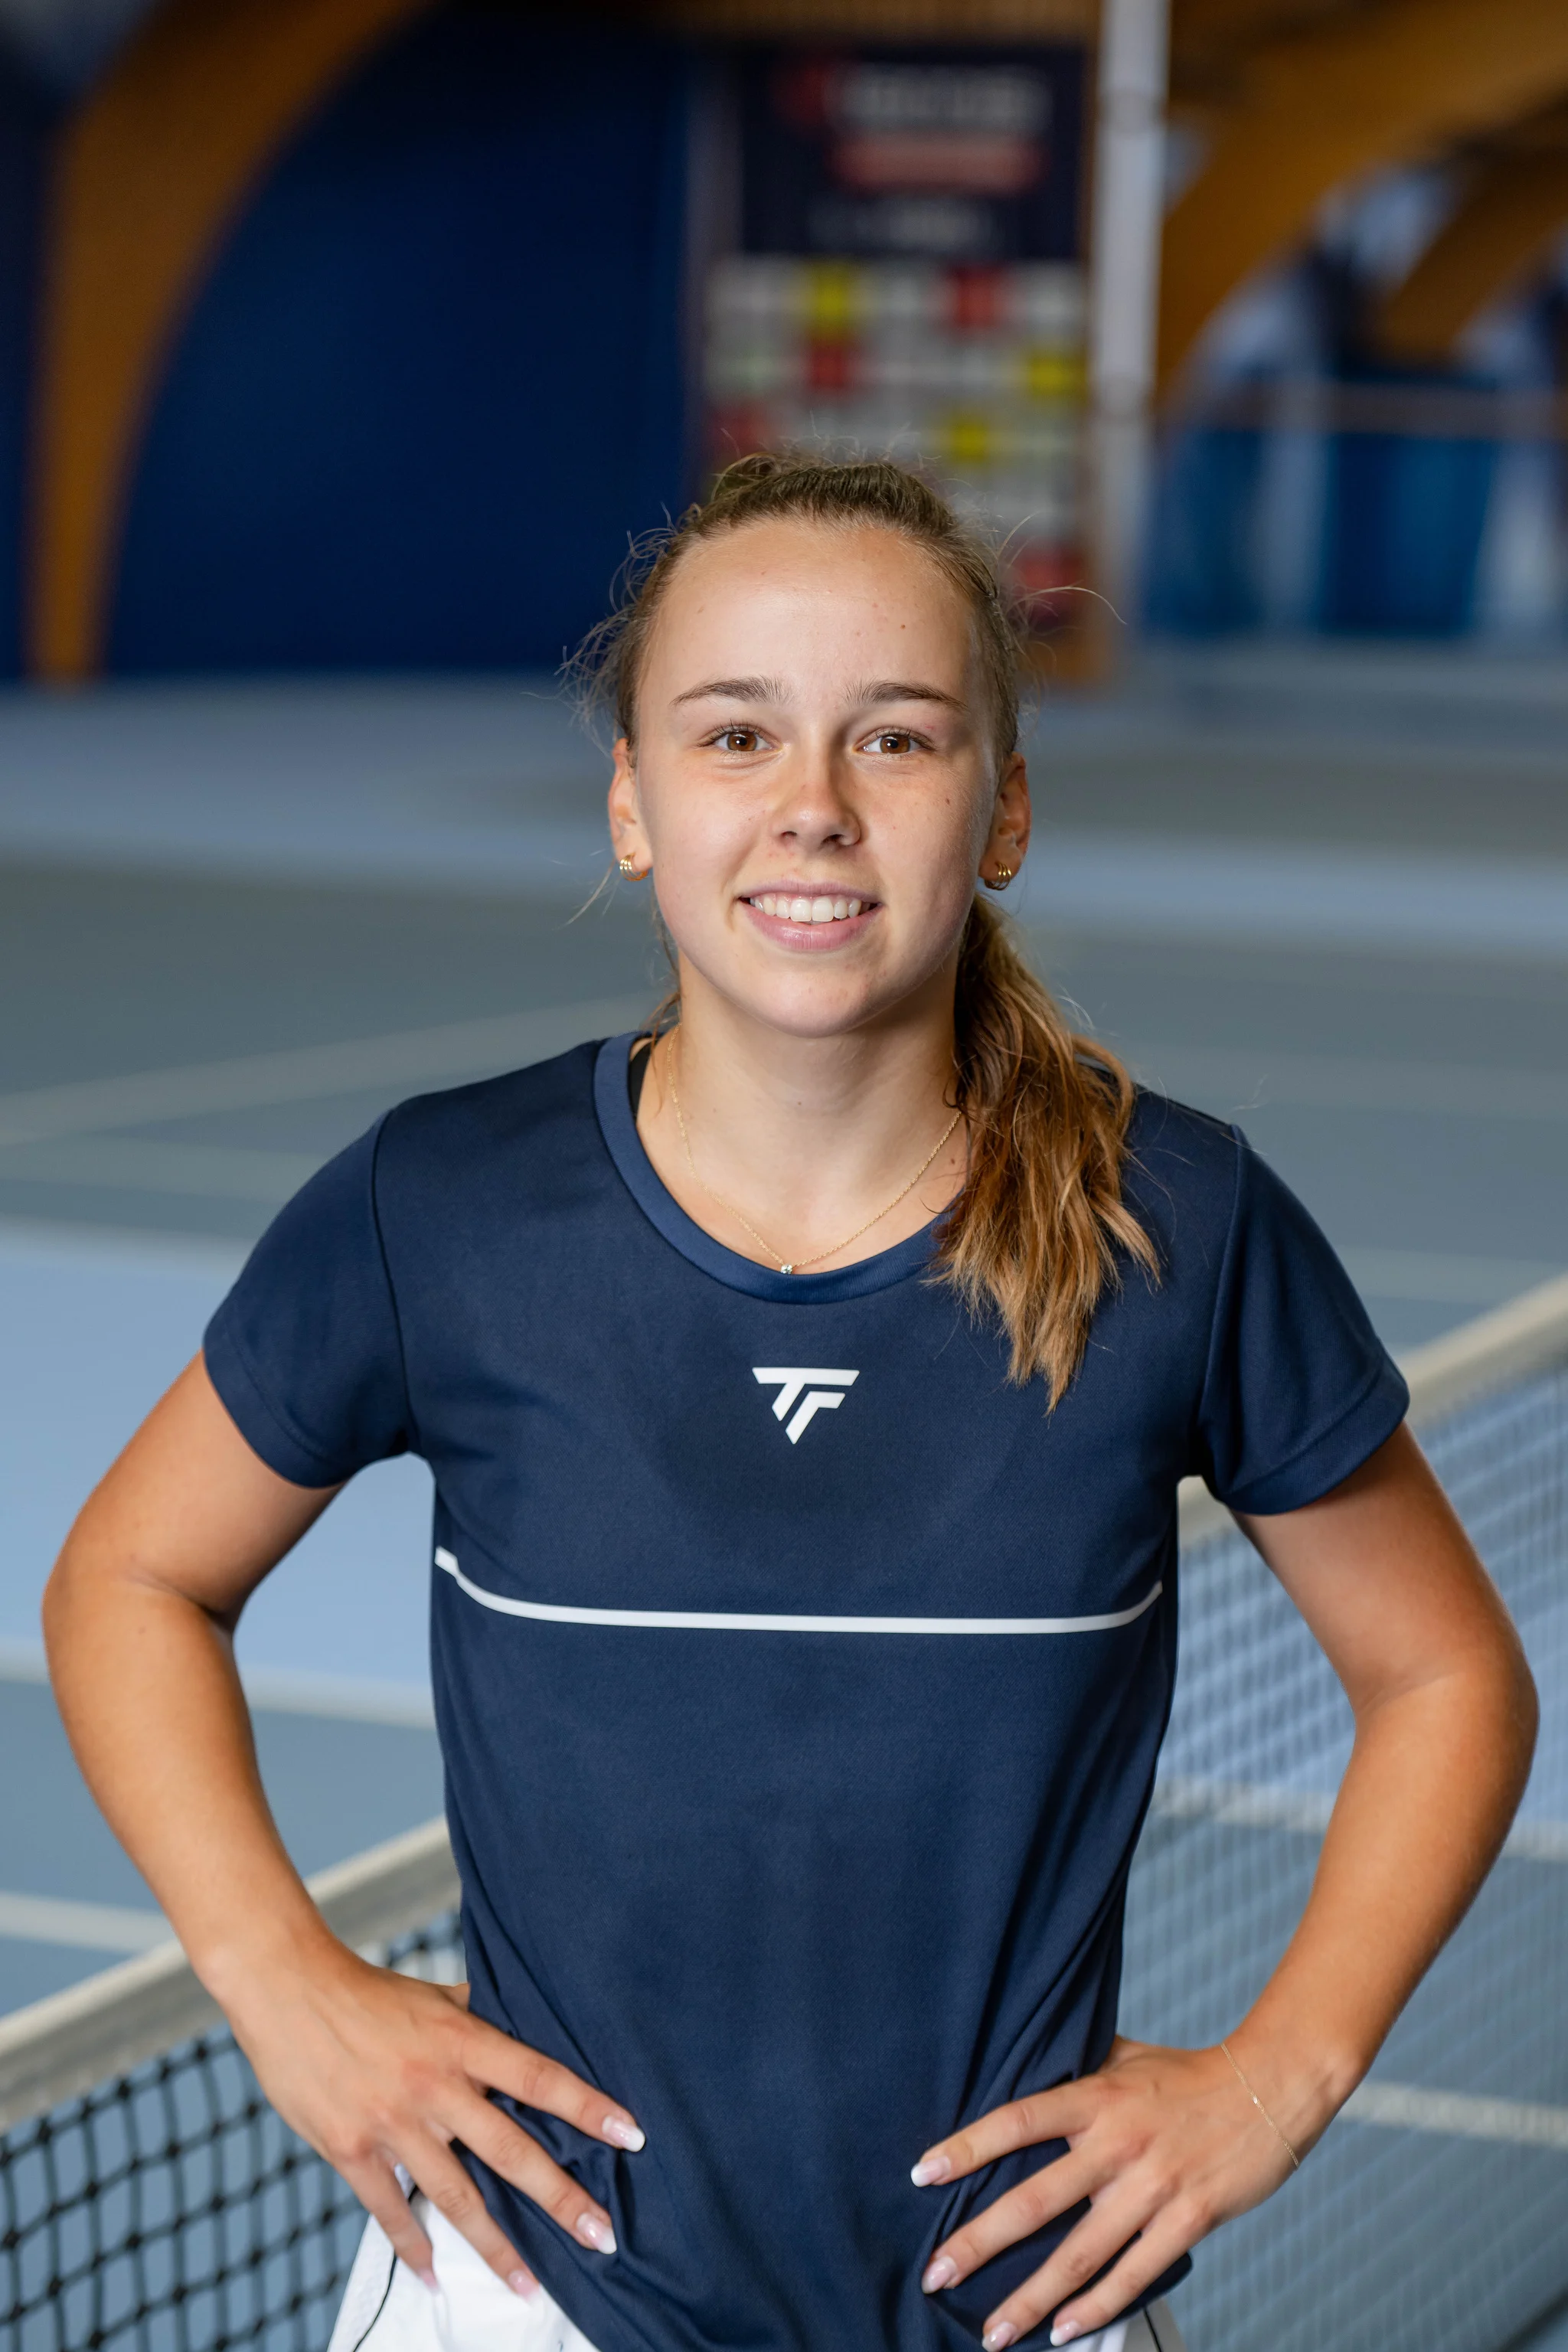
x: 436, y: 376
x: 1203, y: 573
x: 1403, y: 528
x: 1393, y: 550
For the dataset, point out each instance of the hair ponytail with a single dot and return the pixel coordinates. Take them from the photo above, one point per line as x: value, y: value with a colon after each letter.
x: 1040, y: 1230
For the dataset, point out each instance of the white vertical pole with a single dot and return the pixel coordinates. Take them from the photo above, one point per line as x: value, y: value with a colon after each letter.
x: 1124, y: 291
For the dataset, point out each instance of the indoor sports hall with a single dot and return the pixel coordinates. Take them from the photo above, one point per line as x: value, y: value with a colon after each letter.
x: 347, y: 347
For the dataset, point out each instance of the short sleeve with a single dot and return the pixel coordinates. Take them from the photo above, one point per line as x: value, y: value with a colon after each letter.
x: 305, y: 1351
x: 1299, y: 1390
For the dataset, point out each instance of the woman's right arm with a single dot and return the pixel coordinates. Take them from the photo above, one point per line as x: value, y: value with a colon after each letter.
x: 373, y: 2069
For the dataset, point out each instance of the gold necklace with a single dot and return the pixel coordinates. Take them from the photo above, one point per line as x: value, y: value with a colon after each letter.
x: 794, y: 1265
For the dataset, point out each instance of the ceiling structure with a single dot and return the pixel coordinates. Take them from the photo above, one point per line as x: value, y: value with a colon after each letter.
x: 1282, y: 103
x: 1511, y: 209
x: 1294, y: 99
x: 1284, y: 100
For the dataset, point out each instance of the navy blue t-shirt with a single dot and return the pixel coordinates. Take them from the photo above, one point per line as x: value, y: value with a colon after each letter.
x: 799, y: 1679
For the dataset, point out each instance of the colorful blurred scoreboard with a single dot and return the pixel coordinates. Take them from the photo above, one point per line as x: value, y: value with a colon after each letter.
x: 909, y: 281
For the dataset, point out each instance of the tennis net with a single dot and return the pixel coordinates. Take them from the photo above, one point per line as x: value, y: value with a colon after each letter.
x: 1430, y: 2217
x: 152, y: 2202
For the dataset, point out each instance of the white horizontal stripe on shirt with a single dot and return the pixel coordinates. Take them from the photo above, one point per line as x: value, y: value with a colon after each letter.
x: 713, y: 1621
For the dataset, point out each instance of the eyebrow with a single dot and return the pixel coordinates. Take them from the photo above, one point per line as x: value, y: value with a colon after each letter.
x: 900, y: 690
x: 865, y: 696
x: 736, y: 690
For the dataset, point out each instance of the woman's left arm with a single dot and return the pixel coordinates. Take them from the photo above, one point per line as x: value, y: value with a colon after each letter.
x: 1167, y: 2143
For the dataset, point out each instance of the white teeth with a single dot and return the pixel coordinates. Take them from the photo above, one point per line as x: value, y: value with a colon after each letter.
x: 807, y: 911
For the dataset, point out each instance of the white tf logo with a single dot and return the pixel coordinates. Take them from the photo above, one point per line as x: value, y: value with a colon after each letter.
x: 790, y: 1379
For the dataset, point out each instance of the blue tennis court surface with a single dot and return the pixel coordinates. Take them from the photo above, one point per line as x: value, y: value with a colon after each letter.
x: 1327, y: 896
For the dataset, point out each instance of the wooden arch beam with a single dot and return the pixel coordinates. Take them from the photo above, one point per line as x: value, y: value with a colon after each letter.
x: 1322, y: 109
x: 1511, y: 212
x: 1227, y: 30
x: 151, y: 174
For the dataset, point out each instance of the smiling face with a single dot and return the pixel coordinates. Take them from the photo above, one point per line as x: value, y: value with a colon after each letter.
x: 815, y: 780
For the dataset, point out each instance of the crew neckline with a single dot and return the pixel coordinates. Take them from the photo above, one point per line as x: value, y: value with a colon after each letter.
x: 612, y: 1101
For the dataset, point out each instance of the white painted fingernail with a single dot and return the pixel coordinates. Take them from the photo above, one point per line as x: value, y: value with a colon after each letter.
x: 938, y: 2273
x: 929, y: 2168
x: 997, y: 2338
x: 429, y: 2279
x: 595, y: 2234
x: 625, y: 2135
x: 522, y: 2282
x: 1065, y: 2330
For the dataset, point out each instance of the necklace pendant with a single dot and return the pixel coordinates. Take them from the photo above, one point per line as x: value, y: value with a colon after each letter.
x: 786, y: 1269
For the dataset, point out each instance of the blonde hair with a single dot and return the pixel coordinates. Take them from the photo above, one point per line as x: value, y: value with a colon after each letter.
x: 1040, y: 1229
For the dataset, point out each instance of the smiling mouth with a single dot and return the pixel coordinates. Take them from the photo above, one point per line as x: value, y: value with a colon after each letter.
x: 816, y: 907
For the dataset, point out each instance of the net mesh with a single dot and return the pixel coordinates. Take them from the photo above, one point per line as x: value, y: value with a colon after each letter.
x: 171, y: 2210
x: 1433, y: 2241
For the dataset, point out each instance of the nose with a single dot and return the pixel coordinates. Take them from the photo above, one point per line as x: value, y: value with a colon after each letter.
x: 813, y: 810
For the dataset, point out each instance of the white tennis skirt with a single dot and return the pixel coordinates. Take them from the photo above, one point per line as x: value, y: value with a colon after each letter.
x: 386, y: 2309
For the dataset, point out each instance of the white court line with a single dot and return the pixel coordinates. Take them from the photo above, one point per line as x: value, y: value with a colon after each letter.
x: 132, y: 1163
x: 1382, y: 900
x: 56, y: 1242
x: 407, y: 1057
x: 1268, y: 1805
x: 1410, y: 2106
x: 1242, y: 1804
x: 703, y: 1621
x: 275, y: 1690
x: 339, y: 1698
x: 1444, y: 1277
x: 413, y: 1057
x: 91, y: 1927
x: 1259, y: 1077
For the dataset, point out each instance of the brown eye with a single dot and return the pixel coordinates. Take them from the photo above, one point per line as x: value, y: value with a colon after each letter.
x: 738, y: 738
x: 892, y: 739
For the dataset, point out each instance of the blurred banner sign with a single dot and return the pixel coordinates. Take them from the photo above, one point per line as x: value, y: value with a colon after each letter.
x: 959, y: 155
x: 911, y: 281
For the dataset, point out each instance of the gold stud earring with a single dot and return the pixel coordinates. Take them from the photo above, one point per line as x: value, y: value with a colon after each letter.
x: 1000, y: 879
x: 629, y: 866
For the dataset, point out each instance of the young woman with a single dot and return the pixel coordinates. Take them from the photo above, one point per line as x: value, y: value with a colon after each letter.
x: 806, y: 1396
